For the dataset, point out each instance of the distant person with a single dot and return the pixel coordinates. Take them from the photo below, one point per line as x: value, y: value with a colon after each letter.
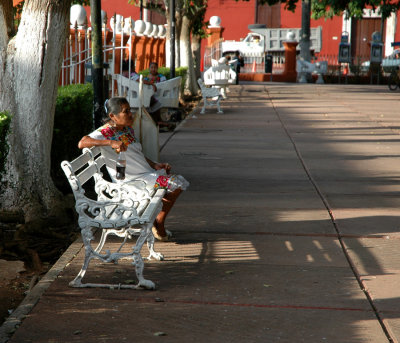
x: 237, y: 61
x: 152, y: 79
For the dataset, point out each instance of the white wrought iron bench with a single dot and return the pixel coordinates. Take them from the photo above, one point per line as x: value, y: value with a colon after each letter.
x: 220, y: 76
x: 211, y: 97
x: 117, y: 209
x: 319, y: 68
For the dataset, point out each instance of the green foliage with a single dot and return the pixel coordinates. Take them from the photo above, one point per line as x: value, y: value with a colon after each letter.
x: 73, y: 119
x: 354, y: 8
x: 330, y: 8
x: 5, y: 120
x: 81, y: 2
x: 181, y: 71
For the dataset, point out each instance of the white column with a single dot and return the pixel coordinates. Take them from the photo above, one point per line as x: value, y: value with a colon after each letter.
x: 346, y: 25
x: 391, y: 24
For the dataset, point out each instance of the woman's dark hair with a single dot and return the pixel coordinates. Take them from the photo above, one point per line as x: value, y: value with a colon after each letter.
x: 151, y: 63
x: 114, y: 106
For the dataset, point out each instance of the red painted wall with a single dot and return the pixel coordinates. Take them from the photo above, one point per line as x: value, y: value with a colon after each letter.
x: 119, y: 7
x: 331, y: 34
x: 235, y: 16
x: 397, y: 34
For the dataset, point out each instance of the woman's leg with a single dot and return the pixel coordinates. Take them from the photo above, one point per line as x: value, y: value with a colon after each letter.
x: 168, y: 201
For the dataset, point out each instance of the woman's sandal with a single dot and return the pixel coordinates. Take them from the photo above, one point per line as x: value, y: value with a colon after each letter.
x: 161, y: 238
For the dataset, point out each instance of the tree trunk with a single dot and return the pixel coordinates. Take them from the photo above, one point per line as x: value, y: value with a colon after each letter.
x: 187, y: 57
x: 196, y: 51
x: 168, y: 38
x: 28, y: 90
x: 178, y: 28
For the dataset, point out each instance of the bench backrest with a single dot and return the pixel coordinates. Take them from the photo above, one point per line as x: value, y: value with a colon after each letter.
x: 219, y: 75
x: 131, y: 90
x: 168, y: 92
x: 83, y: 168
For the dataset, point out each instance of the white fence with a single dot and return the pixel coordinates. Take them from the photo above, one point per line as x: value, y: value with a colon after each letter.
x: 117, y: 51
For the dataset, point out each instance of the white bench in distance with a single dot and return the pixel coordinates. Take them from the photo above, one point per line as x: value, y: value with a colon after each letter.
x: 219, y: 75
x: 211, y: 97
x: 118, y: 209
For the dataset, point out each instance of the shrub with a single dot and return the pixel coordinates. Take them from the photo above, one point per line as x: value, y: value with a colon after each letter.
x: 73, y: 119
x: 5, y: 119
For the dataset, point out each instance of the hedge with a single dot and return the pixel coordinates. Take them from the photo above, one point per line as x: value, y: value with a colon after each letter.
x: 72, y: 120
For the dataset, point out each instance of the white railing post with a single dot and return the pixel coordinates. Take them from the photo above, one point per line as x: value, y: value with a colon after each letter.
x: 113, y: 52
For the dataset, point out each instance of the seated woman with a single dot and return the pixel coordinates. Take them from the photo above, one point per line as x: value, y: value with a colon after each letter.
x: 118, y: 135
x: 155, y: 106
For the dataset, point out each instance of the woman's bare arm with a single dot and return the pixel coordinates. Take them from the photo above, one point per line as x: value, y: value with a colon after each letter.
x: 88, y: 142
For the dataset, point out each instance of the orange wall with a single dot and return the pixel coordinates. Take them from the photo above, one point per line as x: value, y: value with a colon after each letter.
x: 397, y: 35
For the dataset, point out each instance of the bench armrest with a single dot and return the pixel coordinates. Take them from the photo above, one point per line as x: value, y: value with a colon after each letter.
x: 106, y: 214
x: 136, y: 190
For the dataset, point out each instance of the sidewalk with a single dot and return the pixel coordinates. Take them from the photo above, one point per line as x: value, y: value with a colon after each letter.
x: 288, y: 233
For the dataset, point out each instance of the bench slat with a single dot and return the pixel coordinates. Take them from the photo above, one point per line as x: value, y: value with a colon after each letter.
x: 155, y: 200
x: 86, y: 174
x: 80, y: 162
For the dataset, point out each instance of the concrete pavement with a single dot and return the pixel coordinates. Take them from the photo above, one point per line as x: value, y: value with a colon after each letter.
x: 289, y: 231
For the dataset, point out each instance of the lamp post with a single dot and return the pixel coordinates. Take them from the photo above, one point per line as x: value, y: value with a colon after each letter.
x: 97, y: 62
x: 172, y: 38
x: 305, y: 30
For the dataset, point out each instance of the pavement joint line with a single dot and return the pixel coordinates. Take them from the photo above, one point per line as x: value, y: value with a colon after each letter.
x: 384, y: 325
x: 259, y: 233
x: 218, y: 303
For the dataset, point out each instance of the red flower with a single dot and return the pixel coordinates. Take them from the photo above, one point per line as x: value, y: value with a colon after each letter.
x: 107, y: 132
x: 162, y: 181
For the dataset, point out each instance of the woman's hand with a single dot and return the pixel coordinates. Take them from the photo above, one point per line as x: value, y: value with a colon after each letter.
x: 166, y: 166
x: 118, y: 146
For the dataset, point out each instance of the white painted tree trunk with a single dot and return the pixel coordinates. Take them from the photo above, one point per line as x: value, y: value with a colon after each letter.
x: 28, y: 90
x: 196, y: 52
x: 187, y: 56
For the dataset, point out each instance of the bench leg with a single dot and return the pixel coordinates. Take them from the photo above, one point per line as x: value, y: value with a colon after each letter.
x: 138, y: 261
x: 87, y: 237
x: 203, y: 110
x: 152, y: 253
x: 223, y: 92
x: 219, y: 106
